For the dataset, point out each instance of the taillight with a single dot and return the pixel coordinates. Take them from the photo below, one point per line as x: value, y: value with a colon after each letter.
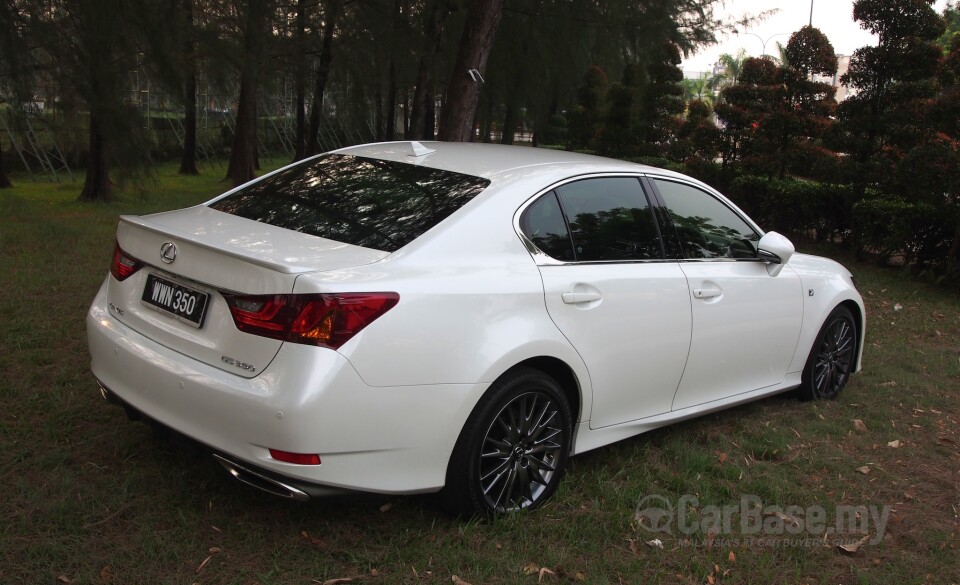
x: 123, y: 266
x: 326, y: 320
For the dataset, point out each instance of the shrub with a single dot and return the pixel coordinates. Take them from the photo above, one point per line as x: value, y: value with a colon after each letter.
x: 891, y: 226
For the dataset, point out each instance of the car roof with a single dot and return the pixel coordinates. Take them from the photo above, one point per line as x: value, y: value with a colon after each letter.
x: 490, y: 160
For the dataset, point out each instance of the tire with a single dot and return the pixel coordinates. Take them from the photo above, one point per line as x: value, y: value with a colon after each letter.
x: 832, y: 357
x: 512, y: 451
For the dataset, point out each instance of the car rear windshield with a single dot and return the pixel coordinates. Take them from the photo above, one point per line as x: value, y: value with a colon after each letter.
x: 361, y: 201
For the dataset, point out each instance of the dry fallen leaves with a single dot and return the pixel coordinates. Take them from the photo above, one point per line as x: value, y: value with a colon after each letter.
x: 732, y: 557
x: 458, y: 581
x: 544, y: 571
x: 895, y: 444
x: 386, y: 506
x: 655, y: 543
x: 785, y: 517
x: 859, y: 426
x: 530, y: 568
x: 864, y: 470
x: 202, y: 565
x: 64, y: 579
x: 853, y: 547
x: 336, y: 581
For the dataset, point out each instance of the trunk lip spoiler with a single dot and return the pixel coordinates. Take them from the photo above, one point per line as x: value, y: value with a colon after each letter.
x: 142, y: 222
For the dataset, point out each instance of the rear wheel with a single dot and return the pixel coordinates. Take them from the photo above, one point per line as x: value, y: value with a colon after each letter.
x: 832, y: 358
x: 512, y: 452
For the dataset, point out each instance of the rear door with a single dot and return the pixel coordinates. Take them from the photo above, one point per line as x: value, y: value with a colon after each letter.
x: 610, y: 291
x: 746, y: 324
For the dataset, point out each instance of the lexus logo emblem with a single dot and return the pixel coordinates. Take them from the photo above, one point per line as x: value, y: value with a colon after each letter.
x: 168, y: 252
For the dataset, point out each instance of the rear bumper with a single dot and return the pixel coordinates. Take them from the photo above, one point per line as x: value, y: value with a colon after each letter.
x: 309, y: 400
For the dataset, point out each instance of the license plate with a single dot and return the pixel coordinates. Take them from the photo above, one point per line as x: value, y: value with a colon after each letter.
x: 186, y: 304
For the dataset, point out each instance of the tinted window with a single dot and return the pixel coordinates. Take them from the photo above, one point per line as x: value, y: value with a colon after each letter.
x: 543, y: 224
x: 610, y: 220
x: 361, y: 201
x: 707, y: 228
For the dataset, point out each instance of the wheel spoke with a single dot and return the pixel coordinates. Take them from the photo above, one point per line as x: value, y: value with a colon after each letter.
x: 508, y: 488
x: 499, y: 470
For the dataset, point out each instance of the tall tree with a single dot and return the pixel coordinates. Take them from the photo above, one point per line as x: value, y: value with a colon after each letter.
x: 661, y: 102
x: 879, y: 121
x: 332, y: 10
x: 434, y: 18
x: 243, y: 154
x: 743, y: 108
x: 733, y: 64
x: 188, y: 158
x: 86, y: 48
x: 300, y: 82
x: 483, y: 18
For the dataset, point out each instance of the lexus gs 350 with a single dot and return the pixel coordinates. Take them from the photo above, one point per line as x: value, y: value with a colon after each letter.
x: 404, y: 317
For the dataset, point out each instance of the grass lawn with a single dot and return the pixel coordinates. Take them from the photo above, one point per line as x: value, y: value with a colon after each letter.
x: 90, y: 497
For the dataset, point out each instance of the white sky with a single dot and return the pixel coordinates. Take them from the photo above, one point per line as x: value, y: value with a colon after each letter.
x: 833, y: 17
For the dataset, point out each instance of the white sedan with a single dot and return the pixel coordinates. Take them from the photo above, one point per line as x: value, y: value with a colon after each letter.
x: 405, y: 317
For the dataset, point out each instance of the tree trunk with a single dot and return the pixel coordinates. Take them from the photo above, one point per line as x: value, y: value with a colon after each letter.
x: 483, y: 18
x: 300, y: 82
x: 420, y: 128
x: 96, y: 186
x: 953, y: 256
x: 331, y: 14
x: 4, y: 179
x: 509, y: 123
x: 243, y: 155
x: 431, y: 121
x: 188, y: 159
x: 391, y: 129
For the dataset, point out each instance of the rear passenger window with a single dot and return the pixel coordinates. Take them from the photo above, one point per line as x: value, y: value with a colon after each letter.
x: 610, y: 219
x: 543, y: 224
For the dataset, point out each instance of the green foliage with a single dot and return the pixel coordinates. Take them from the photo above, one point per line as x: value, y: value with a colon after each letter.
x: 644, y: 108
x: 894, y: 82
x: 775, y: 115
x: 819, y: 210
x: 951, y: 34
x: 810, y: 52
x: 698, y: 138
x: 891, y: 226
x: 583, y: 122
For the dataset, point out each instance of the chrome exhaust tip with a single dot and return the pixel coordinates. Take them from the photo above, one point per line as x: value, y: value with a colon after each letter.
x: 260, y: 481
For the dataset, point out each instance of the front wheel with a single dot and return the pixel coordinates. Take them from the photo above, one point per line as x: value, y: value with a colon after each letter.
x: 513, y: 449
x: 832, y: 358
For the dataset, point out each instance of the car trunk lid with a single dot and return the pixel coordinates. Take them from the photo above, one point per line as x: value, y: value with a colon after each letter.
x: 192, y: 257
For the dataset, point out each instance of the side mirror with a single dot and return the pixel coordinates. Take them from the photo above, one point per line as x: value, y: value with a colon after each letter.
x: 776, y: 251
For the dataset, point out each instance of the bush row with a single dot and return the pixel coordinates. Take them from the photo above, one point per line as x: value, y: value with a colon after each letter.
x: 877, y: 224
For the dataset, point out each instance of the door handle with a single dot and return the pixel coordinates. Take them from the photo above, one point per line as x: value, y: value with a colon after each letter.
x: 706, y: 293
x: 575, y: 298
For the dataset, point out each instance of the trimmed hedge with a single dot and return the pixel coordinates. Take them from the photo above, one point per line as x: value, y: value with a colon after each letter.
x: 823, y: 211
x: 892, y: 226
